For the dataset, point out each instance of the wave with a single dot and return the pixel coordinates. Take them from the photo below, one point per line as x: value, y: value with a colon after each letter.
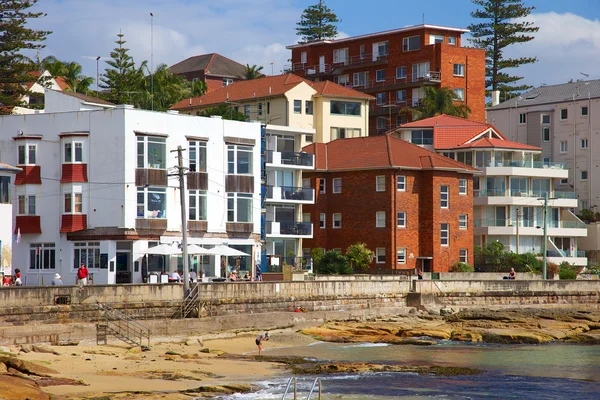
x: 365, y: 344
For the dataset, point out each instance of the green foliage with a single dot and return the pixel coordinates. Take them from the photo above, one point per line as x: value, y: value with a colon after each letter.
x: 493, y: 253
x: 122, y: 78
x: 567, y: 271
x: 551, y: 269
x: 253, y: 72
x: 589, y: 215
x: 317, y: 255
x: 318, y: 22
x: 198, y: 88
x: 461, y: 267
x: 72, y: 74
x: 502, y: 26
x: 333, y: 262
x: 15, y: 37
x: 166, y: 88
x: 359, y: 256
x: 225, y: 111
x: 436, y: 102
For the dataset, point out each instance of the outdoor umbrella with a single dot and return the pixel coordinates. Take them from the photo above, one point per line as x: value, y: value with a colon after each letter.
x: 222, y: 250
x: 195, y: 249
x: 163, y: 249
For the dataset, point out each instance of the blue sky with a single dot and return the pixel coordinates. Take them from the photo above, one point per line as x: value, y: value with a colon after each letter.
x: 257, y: 31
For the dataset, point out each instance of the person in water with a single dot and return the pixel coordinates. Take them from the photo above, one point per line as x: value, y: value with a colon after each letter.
x: 261, y: 338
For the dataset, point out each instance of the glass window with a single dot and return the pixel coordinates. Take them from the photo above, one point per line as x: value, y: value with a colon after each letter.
x: 342, y: 133
x: 401, y: 183
x: 444, y: 200
x: 68, y: 203
x: 451, y: 40
x: 463, y: 221
x: 463, y: 256
x: 546, y: 134
x: 563, y: 147
x: 322, y: 220
x: 564, y: 113
x: 197, y: 209
x: 401, y: 96
x: 545, y: 119
x: 297, y: 106
x: 422, y: 137
x: 459, y: 94
x: 380, y: 75
x: 303, y: 57
x: 322, y: 187
x: 308, y: 107
x: 5, y: 190
x: 340, y: 56
x: 411, y: 43
x: 31, y: 153
x: 227, y: 81
x: 27, y: 154
x: 402, y: 255
x: 151, y: 202
x: 197, y: 154
x: 337, y: 185
x: 31, y: 205
x: 584, y: 111
x: 21, y: 156
x: 380, y: 183
x: 78, y: 152
x: 584, y: 175
x: 380, y: 255
x: 380, y: 219
x: 400, y: 72
x: 401, y: 219
x: 445, y: 234
x: 21, y: 205
x: 68, y: 152
x: 344, y: 107
x: 522, y: 118
x: 381, y: 48
x: 152, y: 152
x: 42, y: 256
x: 239, y: 207
x: 380, y: 99
x: 87, y: 253
x: 337, y: 220
x: 584, y: 143
x: 459, y: 69
x: 462, y: 186
x: 239, y: 160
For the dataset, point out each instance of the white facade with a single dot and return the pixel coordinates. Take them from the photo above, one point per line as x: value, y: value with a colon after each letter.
x: 123, y: 201
x: 7, y: 178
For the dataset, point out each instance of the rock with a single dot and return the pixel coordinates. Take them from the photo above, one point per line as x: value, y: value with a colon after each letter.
x: 15, y: 388
x: 26, y: 348
x: 100, y: 352
x: 412, y: 311
x: 172, y: 353
x: 26, y: 367
x: 466, y: 336
x: 217, y: 352
x: 134, y: 358
x: 3, y: 369
x: 44, y: 349
x: 446, y: 311
x: 4, y: 349
x: 134, y: 350
x: 189, y: 356
x: 69, y: 343
x: 433, y: 311
x: 205, y: 350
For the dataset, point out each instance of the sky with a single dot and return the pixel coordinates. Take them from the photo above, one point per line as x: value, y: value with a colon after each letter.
x: 258, y: 31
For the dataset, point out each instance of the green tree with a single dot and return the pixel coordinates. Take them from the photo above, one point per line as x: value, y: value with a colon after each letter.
x: 318, y: 22
x: 224, y: 110
x: 15, y: 68
x: 461, y: 267
x: 359, y: 256
x: 333, y: 262
x: 438, y: 101
x: 72, y: 74
x: 168, y: 88
x: 317, y: 255
x: 253, y: 72
x: 53, y: 65
x: 198, y: 88
x: 502, y: 26
x: 122, y: 78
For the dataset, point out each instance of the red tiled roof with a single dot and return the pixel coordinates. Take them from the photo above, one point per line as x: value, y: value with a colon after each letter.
x: 60, y: 81
x: 266, y: 87
x: 486, y: 142
x: 381, y: 151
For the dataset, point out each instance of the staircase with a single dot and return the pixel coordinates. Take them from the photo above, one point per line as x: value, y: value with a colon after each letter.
x: 119, y: 325
x: 189, y: 306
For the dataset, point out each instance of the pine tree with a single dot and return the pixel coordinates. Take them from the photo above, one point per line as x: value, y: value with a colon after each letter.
x: 123, y: 78
x: 503, y: 26
x: 317, y: 23
x: 16, y: 70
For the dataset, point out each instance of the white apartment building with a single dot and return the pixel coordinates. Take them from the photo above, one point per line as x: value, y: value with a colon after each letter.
x: 508, y: 195
x: 98, y: 187
x: 7, y: 176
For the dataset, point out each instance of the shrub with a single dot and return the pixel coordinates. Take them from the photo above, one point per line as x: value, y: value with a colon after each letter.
x: 359, y: 256
x: 461, y: 267
x: 316, y: 255
x: 551, y: 269
x: 333, y: 262
x: 567, y: 271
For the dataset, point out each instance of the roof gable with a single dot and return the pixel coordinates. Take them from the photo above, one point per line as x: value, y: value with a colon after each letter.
x: 212, y: 64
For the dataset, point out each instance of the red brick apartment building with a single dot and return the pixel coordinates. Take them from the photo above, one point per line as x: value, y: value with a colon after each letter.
x: 394, y: 66
x: 411, y: 206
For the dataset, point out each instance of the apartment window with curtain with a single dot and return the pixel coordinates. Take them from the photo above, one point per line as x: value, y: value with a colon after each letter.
x: 151, y: 152
x: 400, y: 72
x: 380, y: 183
x: 73, y: 152
x: 463, y: 256
x: 337, y: 185
x: 322, y: 187
x: 463, y: 221
x: 322, y: 220
x: 380, y: 255
x: 197, y: 156
x: 411, y: 43
x: 151, y: 202
x: 197, y: 208
x: 26, y: 205
x: 73, y: 203
x: 337, y: 220
x: 402, y: 255
x: 27, y: 154
x: 462, y: 186
x: 459, y: 69
x: 380, y: 219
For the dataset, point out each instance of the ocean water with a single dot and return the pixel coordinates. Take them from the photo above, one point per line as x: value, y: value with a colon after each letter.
x: 550, y: 371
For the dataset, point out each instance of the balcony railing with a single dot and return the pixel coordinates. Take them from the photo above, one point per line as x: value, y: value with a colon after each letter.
x: 489, y: 193
x: 432, y: 76
x: 527, y: 223
x: 299, y: 263
x: 290, y: 193
x: 524, y: 193
x: 565, y: 253
x: 289, y: 228
x: 350, y: 61
x: 528, y: 164
x: 292, y: 158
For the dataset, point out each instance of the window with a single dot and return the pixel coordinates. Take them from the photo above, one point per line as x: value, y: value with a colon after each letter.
x: 197, y: 209
x: 380, y: 99
x: 459, y: 69
x: 380, y: 75
x: 401, y: 218
x: 26, y: 205
x: 297, y: 106
x: 303, y: 57
x: 27, y: 154
x: 343, y: 80
x: 239, y: 207
x: 401, y: 183
x: 344, y: 107
x: 337, y: 221
x: 268, y: 107
x: 564, y: 181
x: 584, y: 143
x: 340, y: 56
x: 322, y: 220
x: 380, y: 255
x: 87, y: 253
x: 423, y: 137
x: 5, y: 190
x: 546, y: 160
x: 337, y: 185
x: 321, y: 185
x: 563, y: 147
x: 463, y: 256
x: 463, y: 221
x: 459, y: 94
x: 239, y: 160
x: 545, y: 119
x: 451, y: 40
x: 401, y: 119
x: 227, y: 81
x: 260, y: 109
x: 309, y: 138
x: 583, y: 175
x: 342, y: 133
x: 42, y: 256
x: 308, y: 107
x: 444, y: 234
x: 151, y: 152
x: 522, y: 118
x: 411, y: 43
x: 381, y: 124
x: 400, y: 96
x: 584, y: 111
x: 564, y: 113
x: 380, y: 49
x: 380, y: 183
x: 69, y: 156
x: 402, y: 255
x: 73, y: 203
x: 546, y: 134
x: 362, y: 51
x: 444, y: 196
x: 462, y: 186
x: 247, y: 111
x: 380, y: 219
x: 151, y: 202
x: 360, y: 79
x: 400, y: 72
x: 197, y: 154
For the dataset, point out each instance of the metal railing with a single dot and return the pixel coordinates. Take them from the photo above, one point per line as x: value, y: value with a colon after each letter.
x: 312, y: 388
x: 122, y: 327
x: 527, y: 223
x: 489, y: 193
x: 189, y: 306
x: 432, y: 76
x: 290, y: 193
x: 292, y: 158
x: 565, y: 253
x: 528, y: 164
x: 349, y: 61
x: 289, y: 228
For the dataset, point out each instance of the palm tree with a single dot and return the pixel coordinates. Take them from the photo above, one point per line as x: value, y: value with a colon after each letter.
x: 253, y: 72
x: 439, y: 101
x: 53, y: 65
x: 167, y: 88
x: 79, y: 83
x: 198, y: 88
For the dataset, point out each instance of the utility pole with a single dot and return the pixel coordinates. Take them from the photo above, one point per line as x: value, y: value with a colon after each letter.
x: 152, y: 60
x: 184, y: 247
x: 518, y: 222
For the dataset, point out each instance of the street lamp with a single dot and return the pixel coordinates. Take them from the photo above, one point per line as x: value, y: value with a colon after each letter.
x: 545, y: 227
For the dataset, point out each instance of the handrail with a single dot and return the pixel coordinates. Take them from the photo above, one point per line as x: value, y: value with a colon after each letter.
x: 121, y: 316
x: 124, y: 327
x: 287, y: 388
x: 312, y: 389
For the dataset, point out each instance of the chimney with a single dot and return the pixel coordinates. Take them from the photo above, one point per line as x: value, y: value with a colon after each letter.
x: 269, y: 89
x: 495, y: 97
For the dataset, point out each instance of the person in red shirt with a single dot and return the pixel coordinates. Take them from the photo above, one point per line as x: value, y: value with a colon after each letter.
x: 82, y: 275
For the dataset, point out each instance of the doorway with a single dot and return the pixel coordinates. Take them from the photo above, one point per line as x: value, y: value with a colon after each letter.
x: 124, y: 257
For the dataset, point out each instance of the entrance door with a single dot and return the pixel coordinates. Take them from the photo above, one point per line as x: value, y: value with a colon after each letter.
x: 321, y: 63
x: 124, y: 257
x: 426, y: 265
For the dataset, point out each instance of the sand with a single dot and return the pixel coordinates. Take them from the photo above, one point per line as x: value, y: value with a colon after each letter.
x: 116, y: 368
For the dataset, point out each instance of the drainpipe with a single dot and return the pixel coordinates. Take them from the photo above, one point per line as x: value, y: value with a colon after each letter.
x: 574, y: 155
x: 591, y: 165
x: 394, y: 187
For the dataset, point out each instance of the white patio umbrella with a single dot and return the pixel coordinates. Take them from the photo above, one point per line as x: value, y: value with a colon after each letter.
x: 163, y: 249
x: 195, y: 249
x: 222, y: 250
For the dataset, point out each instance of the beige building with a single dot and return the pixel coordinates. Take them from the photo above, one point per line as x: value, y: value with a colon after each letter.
x: 331, y: 110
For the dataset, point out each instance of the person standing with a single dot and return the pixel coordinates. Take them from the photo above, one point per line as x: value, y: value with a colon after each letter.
x: 258, y: 273
x: 82, y: 275
x: 18, y: 281
x: 260, y: 339
x: 57, y: 281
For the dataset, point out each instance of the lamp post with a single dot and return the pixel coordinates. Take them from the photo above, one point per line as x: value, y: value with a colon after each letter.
x: 97, y: 73
x: 545, y: 228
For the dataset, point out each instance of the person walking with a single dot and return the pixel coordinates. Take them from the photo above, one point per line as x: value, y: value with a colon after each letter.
x: 260, y: 339
x: 82, y: 275
x: 57, y: 281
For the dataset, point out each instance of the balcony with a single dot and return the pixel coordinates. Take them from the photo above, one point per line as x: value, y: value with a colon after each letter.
x: 300, y: 264
x: 387, y: 108
x: 433, y: 77
x: 528, y: 223
x: 290, y: 159
x: 349, y: 63
x: 499, y: 226
x: 289, y: 229
x: 150, y: 177
x: 529, y: 164
x: 574, y: 257
x: 523, y: 168
x: 290, y: 194
x: 523, y: 197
